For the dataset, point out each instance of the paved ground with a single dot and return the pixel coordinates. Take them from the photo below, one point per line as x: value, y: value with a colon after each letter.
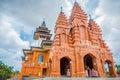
x: 71, y: 79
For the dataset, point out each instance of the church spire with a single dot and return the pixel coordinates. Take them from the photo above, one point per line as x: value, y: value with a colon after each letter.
x: 62, y: 19
x: 61, y: 9
x: 61, y: 30
x: 77, y: 12
x: 93, y: 25
x: 75, y: 1
x: 90, y: 17
x: 43, y: 23
x: 42, y: 33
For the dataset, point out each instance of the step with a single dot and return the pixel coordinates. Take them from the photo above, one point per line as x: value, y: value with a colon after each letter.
x: 72, y: 78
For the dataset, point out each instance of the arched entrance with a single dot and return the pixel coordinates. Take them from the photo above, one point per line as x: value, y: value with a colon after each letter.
x: 90, y: 66
x: 65, y: 66
x: 88, y: 61
x: 108, y: 68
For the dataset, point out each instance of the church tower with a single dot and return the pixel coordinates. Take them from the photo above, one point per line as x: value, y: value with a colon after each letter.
x: 61, y: 51
x: 35, y: 59
x: 78, y: 21
x: 78, y: 44
x: 69, y: 35
x: 61, y: 31
x: 42, y: 33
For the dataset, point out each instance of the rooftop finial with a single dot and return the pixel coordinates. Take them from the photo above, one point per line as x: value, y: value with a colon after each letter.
x: 61, y: 9
x: 90, y: 16
x: 43, y: 23
x: 75, y: 2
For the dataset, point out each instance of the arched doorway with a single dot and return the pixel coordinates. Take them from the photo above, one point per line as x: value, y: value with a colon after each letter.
x: 90, y: 66
x: 65, y: 66
x: 108, y: 68
x: 88, y: 61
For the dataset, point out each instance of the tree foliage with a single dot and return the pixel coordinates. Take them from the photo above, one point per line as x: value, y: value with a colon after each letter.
x: 6, y: 71
x: 118, y: 68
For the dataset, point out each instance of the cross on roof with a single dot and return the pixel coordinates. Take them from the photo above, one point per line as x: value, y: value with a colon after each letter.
x: 61, y: 9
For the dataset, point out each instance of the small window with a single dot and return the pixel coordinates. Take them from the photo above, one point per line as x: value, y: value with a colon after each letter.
x: 26, y: 58
x: 70, y: 32
x: 40, y: 59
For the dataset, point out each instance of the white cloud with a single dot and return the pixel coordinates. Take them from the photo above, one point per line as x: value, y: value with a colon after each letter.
x: 68, y: 7
x: 83, y: 2
x: 10, y: 43
x: 10, y: 37
x: 69, y: 4
x: 15, y: 18
x: 10, y: 58
x: 107, y: 16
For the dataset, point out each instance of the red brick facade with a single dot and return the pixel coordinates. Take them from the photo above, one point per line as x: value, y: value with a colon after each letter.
x: 77, y: 43
x: 74, y: 40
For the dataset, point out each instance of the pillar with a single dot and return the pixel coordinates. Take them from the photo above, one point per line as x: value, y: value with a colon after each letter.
x: 113, y: 73
x: 82, y: 70
x: 55, y: 67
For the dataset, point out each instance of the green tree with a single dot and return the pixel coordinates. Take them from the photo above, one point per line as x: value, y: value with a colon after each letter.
x: 118, y: 68
x: 15, y: 72
x: 5, y: 71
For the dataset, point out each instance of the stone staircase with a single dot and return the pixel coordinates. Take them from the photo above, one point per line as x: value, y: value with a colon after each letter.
x: 72, y: 78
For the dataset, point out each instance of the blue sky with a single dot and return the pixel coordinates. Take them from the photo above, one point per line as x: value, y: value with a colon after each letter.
x: 20, y: 18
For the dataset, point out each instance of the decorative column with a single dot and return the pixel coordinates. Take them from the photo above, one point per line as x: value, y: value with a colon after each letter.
x: 82, y: 70
x: 112, y: 70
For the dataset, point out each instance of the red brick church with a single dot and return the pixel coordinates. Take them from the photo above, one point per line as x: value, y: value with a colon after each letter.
x: 77, y: 44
